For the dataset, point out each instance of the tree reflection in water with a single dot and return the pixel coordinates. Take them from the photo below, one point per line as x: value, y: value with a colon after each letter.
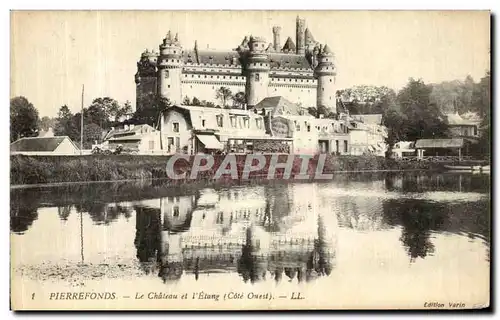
x: 417, y: 219
x: 147, y: 237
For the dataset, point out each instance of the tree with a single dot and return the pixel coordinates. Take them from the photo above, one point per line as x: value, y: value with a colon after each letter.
x: 109, y: 111
x: 481, y: 97
x: 366, y: 99
x: 195, y: 102
x: 150, y: 112
x: 313, y: 111
x: 210, y: 104
x: 395, y: 121
x: 67, y: 124
x: 224, y: 94
x: 186, y: 101
x: 24, y: 119
x: 423, y: 118
x: 91, y: 133
x: 47, y: 122
x: 239, y: 99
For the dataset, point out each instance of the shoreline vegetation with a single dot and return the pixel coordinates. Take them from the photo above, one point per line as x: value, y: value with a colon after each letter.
x: 39, y: 171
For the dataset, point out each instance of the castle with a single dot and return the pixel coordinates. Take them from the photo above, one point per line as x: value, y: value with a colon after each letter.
x: 303, y: 72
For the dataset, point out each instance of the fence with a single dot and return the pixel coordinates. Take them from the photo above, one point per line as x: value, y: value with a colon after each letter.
x: 436, y: 158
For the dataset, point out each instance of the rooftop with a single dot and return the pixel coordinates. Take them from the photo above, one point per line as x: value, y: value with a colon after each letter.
x: 439, y: 143
x: 45, y: 144
x: 280, y: 106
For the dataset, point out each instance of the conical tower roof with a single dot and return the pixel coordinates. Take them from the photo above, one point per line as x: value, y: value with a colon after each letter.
x: 327, y: 50
x: 309, y: 37
x: 289, y: 45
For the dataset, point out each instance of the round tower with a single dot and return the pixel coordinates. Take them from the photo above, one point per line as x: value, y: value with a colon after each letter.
x: 170, y: 69
x: 325, y: 72
x: 300, y: 35
x: 146, y: 78
x: 257, y: 71
x: 277, y: 38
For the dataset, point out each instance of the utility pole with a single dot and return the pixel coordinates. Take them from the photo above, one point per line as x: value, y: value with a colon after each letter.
x: 81, y: 123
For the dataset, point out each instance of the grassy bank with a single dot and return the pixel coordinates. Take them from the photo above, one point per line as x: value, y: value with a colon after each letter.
x: 55, y: 169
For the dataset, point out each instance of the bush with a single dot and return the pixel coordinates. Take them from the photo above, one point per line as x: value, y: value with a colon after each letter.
x: 52, y: 169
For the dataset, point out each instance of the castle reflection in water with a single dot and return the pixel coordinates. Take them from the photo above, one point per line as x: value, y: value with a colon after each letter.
x: 256, y: 234
x: 275, y: 231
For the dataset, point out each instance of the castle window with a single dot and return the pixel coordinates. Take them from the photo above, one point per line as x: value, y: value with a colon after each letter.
x: 170, y: 143
x: 175, y: 127
x: 203, y: 123
x: 257, y: 77
x: 168, y: 86
x: 219, y: 121
x: 211, y: 76
x: 198, y: 76
x: 166, y: 74
x: 175, y: 52
x: 217, y: 77
x: 224, y: 77
x: 308, y: 128
x: 330, y: 80
x: 233, y: 121
x: 260, y: 64
x: 322, y: 89
x: 176, y: 211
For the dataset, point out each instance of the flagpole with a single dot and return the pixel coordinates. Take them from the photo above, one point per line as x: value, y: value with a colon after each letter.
x: 81, y: 123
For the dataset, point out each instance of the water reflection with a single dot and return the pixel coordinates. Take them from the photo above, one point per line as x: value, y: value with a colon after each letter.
x: 236, y: 230
x: 283, y: 232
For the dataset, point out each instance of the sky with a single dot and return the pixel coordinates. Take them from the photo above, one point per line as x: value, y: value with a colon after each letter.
x: 54, y: 53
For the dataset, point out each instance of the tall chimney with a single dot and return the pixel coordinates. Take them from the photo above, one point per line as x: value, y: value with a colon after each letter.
x: 276, y: 38
x: 300, y: 39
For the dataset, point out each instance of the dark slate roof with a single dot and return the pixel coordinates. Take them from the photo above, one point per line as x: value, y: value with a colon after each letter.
x: 289, y: 45
x: 308, y: 35
x: 292, y: 61
x: 439, y: 143
x: 211, y: 57
x: 327, y: 50
x: 38, y: 144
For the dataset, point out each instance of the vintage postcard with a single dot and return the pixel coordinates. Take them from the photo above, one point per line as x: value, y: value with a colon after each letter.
x: 250, y: 160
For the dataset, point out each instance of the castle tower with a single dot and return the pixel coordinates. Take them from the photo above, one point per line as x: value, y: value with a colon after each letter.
x: 325, y: 73
x: 276, y: 38
x: 256, y: 71
x: 170, y: 69
x: 300, y: 35
x: 145, y: 78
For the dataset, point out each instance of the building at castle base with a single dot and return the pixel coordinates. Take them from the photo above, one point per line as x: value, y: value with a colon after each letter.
x: 280, y: 129
x: 275, y: 125
x: 302, y: 71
